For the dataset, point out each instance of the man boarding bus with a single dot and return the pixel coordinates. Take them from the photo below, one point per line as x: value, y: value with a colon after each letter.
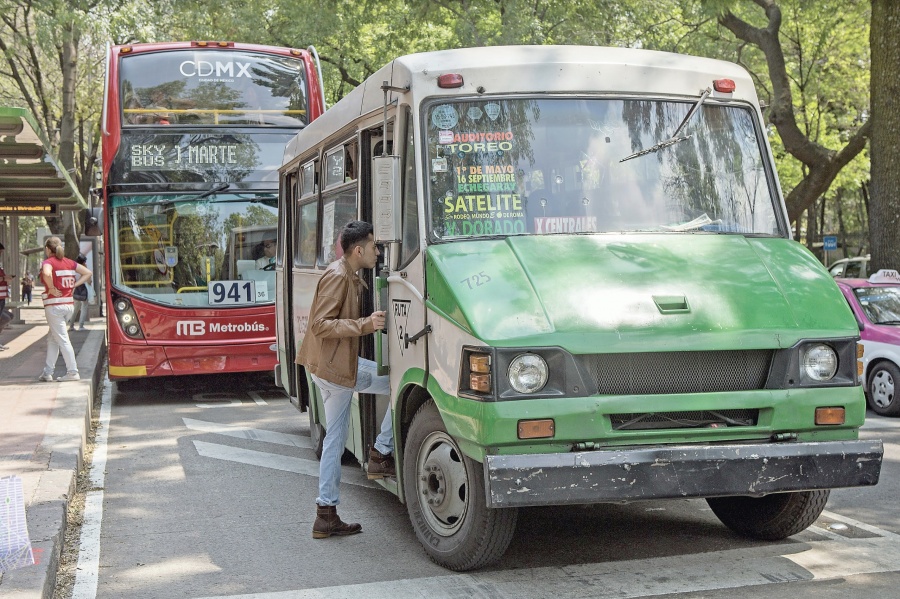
x: 591, y: 290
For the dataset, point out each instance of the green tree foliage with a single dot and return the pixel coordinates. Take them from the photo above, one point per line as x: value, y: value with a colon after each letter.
x: 810, y: 60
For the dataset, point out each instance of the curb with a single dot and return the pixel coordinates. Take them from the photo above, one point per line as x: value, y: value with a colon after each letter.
x: 64, y: 444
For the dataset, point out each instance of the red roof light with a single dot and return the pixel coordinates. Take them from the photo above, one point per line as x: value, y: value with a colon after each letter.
x: 726, y: 86
x: 450, y: 80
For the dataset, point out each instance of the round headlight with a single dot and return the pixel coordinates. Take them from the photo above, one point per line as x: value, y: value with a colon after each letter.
x: 126, y: 318
x: 121, y: 305
x: 528, y: 373
x: 819, y: 362
x: 132, y: 330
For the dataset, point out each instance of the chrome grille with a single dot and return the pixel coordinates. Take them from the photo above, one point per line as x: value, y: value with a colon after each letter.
x: 695, y: 419
x: 657, y: 373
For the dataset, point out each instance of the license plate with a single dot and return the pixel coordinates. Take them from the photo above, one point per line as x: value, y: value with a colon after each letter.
x: 232, y: 293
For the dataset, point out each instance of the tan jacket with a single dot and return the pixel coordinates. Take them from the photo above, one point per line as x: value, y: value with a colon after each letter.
x: 330, y: 349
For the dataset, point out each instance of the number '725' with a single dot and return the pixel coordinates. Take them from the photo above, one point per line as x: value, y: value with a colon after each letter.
x: 477, y: 280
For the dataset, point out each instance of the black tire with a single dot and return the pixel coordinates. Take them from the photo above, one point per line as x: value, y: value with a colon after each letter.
x: 882, y: 391
x: 770, y: 518
x: 457, y: 529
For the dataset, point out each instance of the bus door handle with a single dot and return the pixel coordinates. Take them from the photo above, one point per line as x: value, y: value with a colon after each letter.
x: 407, y: 339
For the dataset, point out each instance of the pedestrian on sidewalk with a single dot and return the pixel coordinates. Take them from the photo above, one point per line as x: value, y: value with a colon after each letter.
x: 27, y: 288
x: 5, y: 279
x: 81, y: 295
x: 330, y: 353
x: 60, y: 276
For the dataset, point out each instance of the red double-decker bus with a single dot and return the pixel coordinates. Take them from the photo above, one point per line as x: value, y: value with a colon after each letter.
x: 193, y: 135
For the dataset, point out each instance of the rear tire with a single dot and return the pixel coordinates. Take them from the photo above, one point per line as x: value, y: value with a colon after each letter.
x: 882, y: 390
x: 445, y: 498
x: 770, y: 518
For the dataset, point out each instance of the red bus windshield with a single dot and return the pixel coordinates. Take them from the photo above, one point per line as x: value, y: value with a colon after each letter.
x: 222, y: 87
x: 192, y: 140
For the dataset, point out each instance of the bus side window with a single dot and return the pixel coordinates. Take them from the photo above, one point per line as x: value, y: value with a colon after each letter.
x: 306, y: 223
x: 339, y: 198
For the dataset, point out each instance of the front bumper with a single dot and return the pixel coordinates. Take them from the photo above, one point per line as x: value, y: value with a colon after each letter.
x: 639, y: 473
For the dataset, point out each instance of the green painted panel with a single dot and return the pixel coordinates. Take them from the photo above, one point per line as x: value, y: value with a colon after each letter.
x: 491, y: 427
x: 635, y: 293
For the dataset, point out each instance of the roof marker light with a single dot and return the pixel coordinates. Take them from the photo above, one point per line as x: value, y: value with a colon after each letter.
x: 726, y: 86
x: 450, y: 80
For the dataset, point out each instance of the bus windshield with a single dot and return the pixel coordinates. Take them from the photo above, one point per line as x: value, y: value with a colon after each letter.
x: 188, y: 87
x: 549, y: 166
x: 169, y: 248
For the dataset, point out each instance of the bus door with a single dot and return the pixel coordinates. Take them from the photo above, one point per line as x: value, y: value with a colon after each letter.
x: 405, y: 345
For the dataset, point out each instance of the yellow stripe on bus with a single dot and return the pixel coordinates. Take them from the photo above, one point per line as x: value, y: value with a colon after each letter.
x: 128, y: 370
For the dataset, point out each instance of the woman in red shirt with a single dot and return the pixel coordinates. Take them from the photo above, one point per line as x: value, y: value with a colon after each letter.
x: 60, y: 276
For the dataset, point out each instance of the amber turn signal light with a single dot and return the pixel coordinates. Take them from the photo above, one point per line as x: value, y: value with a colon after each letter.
x: 536, y: 429
x: 480, y: 363
x: 830, y: 416
x: 480, y: 383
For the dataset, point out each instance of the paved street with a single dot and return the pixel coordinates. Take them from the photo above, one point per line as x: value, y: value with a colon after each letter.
x: 209, y: 485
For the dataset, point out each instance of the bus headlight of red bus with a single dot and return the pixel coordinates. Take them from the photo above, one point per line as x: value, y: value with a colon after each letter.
x: 127, y: 317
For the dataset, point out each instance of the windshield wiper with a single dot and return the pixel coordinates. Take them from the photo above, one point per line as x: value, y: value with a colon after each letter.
x: 218, y: 188
x: 888, y: 322
x: 673, y: 139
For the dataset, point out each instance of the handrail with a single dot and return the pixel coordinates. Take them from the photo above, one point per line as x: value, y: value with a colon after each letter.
x: 312, y: 50
x: 408, y: 285
x: 106, y: 90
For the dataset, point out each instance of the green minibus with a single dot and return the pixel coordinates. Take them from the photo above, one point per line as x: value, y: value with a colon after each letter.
x: 591, y: 289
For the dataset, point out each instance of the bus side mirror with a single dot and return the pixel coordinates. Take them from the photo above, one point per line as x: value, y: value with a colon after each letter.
x: 93, y: 222
x: 386, y: 195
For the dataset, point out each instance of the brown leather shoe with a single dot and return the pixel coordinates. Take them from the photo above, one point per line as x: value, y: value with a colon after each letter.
x: 380, y: 465
x: 329, y: 523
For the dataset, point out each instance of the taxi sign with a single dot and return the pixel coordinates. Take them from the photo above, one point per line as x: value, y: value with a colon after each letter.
x: 885, y: 275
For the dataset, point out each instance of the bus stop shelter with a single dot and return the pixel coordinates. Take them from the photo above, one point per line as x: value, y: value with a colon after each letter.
x: 32, y: 183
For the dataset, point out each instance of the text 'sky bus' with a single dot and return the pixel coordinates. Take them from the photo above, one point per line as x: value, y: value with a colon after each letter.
x: 591, y: 288
x: 193, y: 136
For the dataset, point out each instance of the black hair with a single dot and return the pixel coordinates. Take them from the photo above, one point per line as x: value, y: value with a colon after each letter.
x: 355, y: 233
x: 81, y: 259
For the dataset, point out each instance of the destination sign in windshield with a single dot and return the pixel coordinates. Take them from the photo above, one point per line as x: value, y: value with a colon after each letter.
x: 198, y: 157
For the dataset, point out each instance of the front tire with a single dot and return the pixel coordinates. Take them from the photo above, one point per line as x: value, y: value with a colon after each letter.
x: 882, y: 391
x: 445, y: 497
x: 770, y: 518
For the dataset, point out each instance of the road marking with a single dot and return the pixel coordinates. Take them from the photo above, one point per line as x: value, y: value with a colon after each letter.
x: 349, y: 474
x: 880, y: 424
x: 732, y: 568
x: 254, y: 434
x: 88, y: 568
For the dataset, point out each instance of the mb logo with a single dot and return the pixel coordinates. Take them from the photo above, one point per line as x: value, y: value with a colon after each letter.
x: 190, y: 327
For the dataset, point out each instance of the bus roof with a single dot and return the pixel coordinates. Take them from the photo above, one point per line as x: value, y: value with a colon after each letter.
x: 530, y: 69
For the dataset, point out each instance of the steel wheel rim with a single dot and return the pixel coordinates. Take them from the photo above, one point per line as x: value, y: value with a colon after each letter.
x: 442, y: 484
x: 882, y: 388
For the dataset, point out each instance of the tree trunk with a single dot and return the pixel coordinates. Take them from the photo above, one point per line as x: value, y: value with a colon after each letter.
x: 884, y: 213
x: 842, y: 230
x: 68, y: 66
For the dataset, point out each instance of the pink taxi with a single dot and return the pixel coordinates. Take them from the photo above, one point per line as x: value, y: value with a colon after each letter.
x: 876, y: 303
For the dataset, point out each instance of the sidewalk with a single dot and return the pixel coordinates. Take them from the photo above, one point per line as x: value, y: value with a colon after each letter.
x: 43, y: 429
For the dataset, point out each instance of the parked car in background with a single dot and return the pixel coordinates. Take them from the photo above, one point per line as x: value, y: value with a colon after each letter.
x: 876, y: 304
x: 850, y: 268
